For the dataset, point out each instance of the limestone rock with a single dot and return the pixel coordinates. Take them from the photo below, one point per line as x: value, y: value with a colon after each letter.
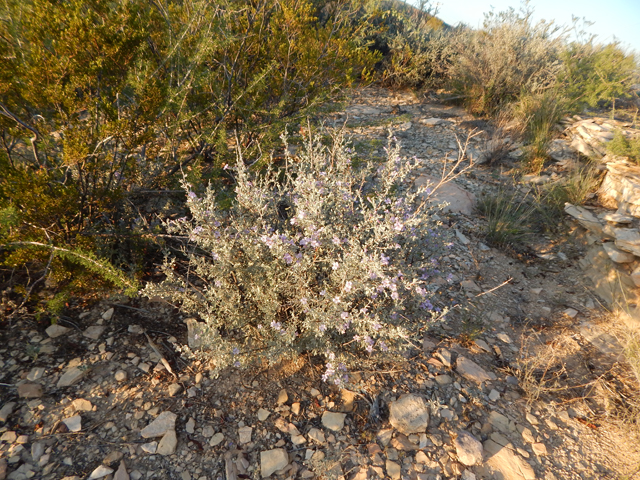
x: 101, y: 471
x: 55, y: 330
x: 216, y: 439
x: 501, y: 462
x: 584, y: 217
x: 82, y: 405
x: 74, y: 424
x: 409, y: 414
x: 273, y: 460
x: 94, y: 332
x: 29, y: 390
x: 163, y: 423
x: 244, y: 434
x: 72, y: 376
x: 617, y: 255
x: 282, y: 397
x: 432, y: 122
x: 168, y: 443
x: 458, y: 199
x: 317, y: 435
x: 471, y: 370
x: 393, y: 470
x: 108, y: 314
x: 620, y: 188
x: 468, y: 448
x: 121, y: 473
x: 6, y: 410
x: 628, y: 239
x: 333, y: 421
x: 190, y: 425
x: 263, y: 414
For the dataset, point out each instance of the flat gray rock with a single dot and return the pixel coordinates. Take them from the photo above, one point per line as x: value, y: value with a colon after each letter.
x: 71, y: 377
x: 74, y: 424
x: 6, y: 410
x: 333, y: 421
x: 160, y: 426
x: 501, y: 462
x: 471, y: 370
x: 101, y: 471
x: 628, y: 239
x: 94, y: 332
x: 55, y: 331
x: 273, y: 460
x: 29, y: 390
x: 617, y: 255
x: 458, y: 199
x: 121, y: 473
x: 468, y: 449
x: 409, y: 414
x: 168, y: 444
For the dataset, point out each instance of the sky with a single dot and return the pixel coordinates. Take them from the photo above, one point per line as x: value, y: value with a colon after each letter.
x: 619, y: 18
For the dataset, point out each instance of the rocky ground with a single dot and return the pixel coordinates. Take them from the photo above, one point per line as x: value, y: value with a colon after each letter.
x: 526, y: 381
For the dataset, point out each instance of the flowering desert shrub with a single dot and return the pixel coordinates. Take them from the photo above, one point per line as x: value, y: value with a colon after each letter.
x: 319, y: 257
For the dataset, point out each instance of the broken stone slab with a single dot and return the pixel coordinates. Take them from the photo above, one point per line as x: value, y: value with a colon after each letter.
x: 163, y: 423
x: 393, y: 470
x: 168, y: 443
x: 273, y: 460
x: 100, y: 472
x: 409, y: 414
x: 468, y: 449
x: 617, y: 255
x: 317, y: 435
x: 72, y: 376
x: 121, y: 473
x: 282, y: 397
x: 584, y: 217
x: 94, y: 332
x: 82, y: 405
x: 74, y: 424
x: 501, y: 462
x: 6, y: 410
x: 628, y: 239
x: 635, y: 277
x: 333, y: 421
x: 55, y: 330
x: 500, y: 422
x: 620, y: 188
x: 617, y: 218
x: 471, y: 370
x: 36, y: 373
x: 107, y: 315
x: 263, y: 414
x: 456, y: 198
x: 29, y: 390
x: 216, y: 439
x: 244, y: 434
x: 432, y: 122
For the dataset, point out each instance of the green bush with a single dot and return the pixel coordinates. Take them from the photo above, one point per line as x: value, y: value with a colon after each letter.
x: 625, y: 147
x: 102, y: 100
x: 321, y: 259
x: 595, y: 75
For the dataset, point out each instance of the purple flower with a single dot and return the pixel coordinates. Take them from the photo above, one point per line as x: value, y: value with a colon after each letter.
x: 322, y: 327
x: 235, y: 351
x: 344, y: 315
x: 192, y: 195
x: 384, y: 260
x: 237, y: 364
x: 336, y: 300
x: 383, y: 346
x: 335, y: 265
x: 348, y: 286
x: 288, y: 258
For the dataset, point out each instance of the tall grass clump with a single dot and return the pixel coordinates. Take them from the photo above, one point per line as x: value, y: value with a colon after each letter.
x: 321, y: 259
x: 508, y: 218
x: 536, y: 116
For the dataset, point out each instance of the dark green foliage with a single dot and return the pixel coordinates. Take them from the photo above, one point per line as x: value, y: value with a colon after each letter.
x: 100, y: 101
x: 595, y: 75
x: 625, y: 147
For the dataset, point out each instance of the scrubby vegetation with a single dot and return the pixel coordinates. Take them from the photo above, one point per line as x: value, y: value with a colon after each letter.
x: 106, y: 107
